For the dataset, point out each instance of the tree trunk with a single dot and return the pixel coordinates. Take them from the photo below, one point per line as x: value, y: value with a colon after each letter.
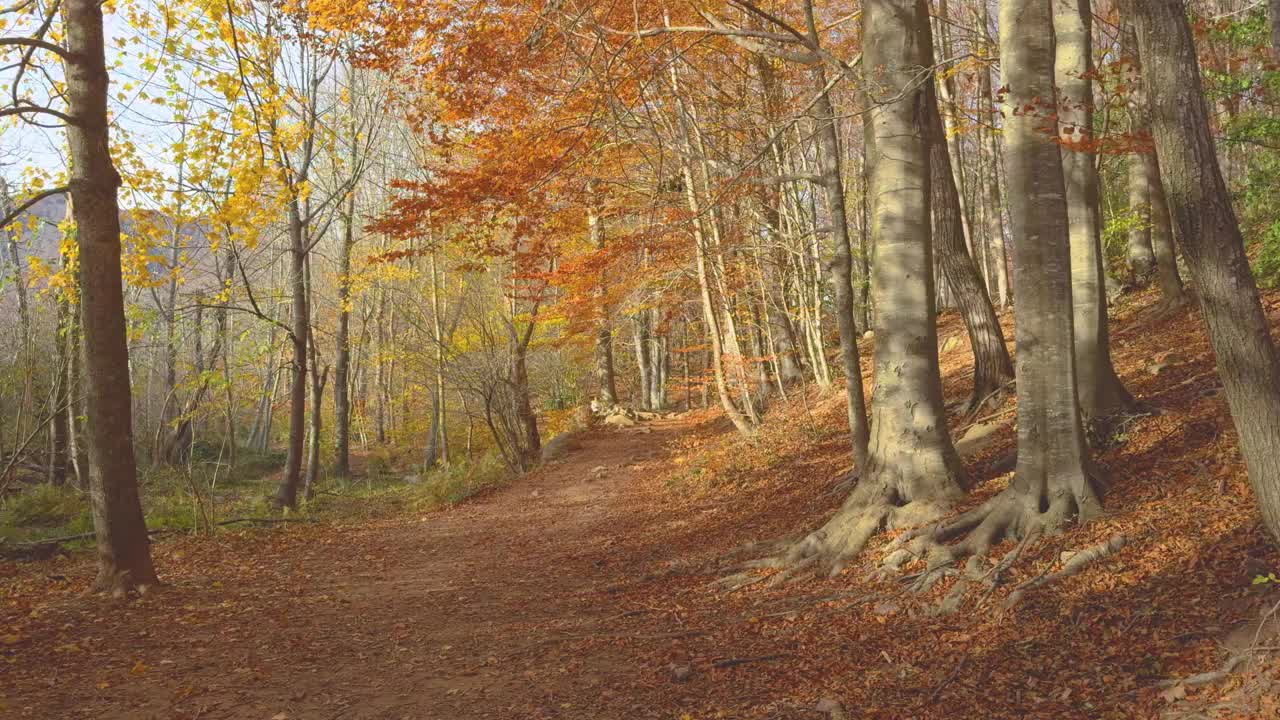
x: 1273, y: 19
x: 342, y: 355
x: 840, y: 265
x: 19, y: 282
x: 1101, y: 392
x: 772, y: 265
x: 224, y: 333
x: 644, y: 367
x: 170, y: 409
x: 432, y: 452
x: 1167, y: 277
x: 124, y: 551
x: 76, y: 410
x: 287, y: 494
x: 60, y: 397
x: 318, y: 380
x: 995, y: 208
x: 1050, y: 484
x: 658, y: 375
x: 606, y: 383
x: 439, y: 415
x: 992, y: 368
x: 1139, y: 256
x: 710, y: 314
x: 1212, y: 244
x: 380, y: 368
x: 913, y: 473
x: 530, y: 442
x: 1161, y: 227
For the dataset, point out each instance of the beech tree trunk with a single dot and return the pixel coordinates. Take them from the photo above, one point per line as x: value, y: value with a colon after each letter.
x: 19, y: 282
x: 1167, y: 277
x: 992, y: 368
x: 606, y: 382
x: 124, y: 551
x: 1139, y: 256
x: 656, y: 399
x: 76, y: 410
x: 1212, y: 243
x: 530, y: 442
x: 911, y: 448
x: 702, y: 264
x: 318, y: 380
x: 1050, y: 484
x: 1100, y: 391
x: 431, y: 453
x: 995, y: 207
x: 781, y: 332
x: 912, y: 474
x: 840, y: 265
x: 644, y: 366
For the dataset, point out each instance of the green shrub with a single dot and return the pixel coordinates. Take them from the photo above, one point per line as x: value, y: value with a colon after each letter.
x: 44, y: 507
x: 1267, y: 266
x: 44, y: 511
x: 1115, y: 238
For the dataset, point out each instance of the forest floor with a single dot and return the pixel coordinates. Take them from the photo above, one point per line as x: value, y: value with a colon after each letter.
x: 585, y: 590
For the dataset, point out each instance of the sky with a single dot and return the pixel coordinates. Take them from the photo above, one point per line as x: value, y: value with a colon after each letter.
x: 25, y: 146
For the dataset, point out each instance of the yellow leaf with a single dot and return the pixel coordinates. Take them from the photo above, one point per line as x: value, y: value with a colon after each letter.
x: 11, y: 639
x: 138, y: 668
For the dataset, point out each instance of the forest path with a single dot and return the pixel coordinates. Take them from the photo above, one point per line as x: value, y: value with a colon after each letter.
x: 498, y: 608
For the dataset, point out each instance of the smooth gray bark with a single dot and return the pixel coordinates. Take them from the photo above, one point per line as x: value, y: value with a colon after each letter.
x: 1100, y: 391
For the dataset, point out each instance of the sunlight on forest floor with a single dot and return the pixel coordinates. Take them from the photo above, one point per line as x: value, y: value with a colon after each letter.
x: 580, y: 590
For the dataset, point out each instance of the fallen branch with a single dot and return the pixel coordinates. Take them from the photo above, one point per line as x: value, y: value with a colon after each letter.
x: 947, y: 680
x: 265, y: 521
x: 731, y: 662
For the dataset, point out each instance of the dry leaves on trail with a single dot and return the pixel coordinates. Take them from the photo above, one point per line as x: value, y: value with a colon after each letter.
x: 574, y: 594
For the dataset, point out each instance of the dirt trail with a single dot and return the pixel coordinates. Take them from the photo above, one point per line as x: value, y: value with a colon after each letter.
x: 491, y: 610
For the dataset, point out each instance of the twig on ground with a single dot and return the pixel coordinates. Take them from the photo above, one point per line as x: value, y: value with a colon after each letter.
x: 947, y: 680
x: 731, y: 662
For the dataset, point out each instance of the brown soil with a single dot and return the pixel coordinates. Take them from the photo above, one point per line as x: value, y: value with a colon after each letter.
x: 491, y: 610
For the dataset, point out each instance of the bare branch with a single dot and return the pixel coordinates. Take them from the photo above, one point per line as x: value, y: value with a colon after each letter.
x: 36, y: 44
x: 26, y: 204
x: 29, y: 108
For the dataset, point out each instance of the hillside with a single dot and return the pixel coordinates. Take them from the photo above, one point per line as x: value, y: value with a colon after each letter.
x: 586, y: 589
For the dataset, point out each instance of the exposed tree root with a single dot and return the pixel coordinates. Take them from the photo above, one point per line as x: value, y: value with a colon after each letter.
x: 1110, y: 430
x: 827, y: 550
x: 1208, y: 678
x: 1074, y: 564
x: 1014, y: 513
x: 981, y: 399
x: 120, y: 585
x: 1167, y: 307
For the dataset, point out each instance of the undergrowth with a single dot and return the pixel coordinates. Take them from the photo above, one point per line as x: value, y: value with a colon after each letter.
x: 380, y: 493
x: 207, y: 491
